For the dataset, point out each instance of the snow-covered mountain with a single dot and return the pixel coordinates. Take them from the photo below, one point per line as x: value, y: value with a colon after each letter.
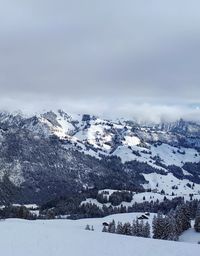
x: 54, y: 153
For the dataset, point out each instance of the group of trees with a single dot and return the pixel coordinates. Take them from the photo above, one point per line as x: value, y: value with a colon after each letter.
x: 170, y: 226
x: 77, y: 210
x: 20, y: 212
x: 73, y: 206
x: 166, y: 227
x: 89, y: 209
x: 88, y: 227
x: 137, y: 228
x: 116, y: 198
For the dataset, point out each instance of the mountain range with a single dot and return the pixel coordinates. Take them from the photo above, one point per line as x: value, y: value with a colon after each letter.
x: 52, y: 154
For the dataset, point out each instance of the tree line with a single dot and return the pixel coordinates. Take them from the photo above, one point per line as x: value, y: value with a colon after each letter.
x: 137, y: 228
x: 165, y: 227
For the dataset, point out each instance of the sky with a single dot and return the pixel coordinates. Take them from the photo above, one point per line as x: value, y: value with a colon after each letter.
x: 136, y: 59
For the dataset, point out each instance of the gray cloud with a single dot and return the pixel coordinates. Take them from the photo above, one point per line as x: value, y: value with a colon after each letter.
x: 132, y: 58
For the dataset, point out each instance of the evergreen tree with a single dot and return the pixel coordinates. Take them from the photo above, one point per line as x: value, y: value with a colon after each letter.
x: 137, y: 228
x: 197, y: 219
x: 127, y: 229
x: 112, y: 227
x: 87, y: 227
x: 182, y: 216
x: 134, y: 229
x: 171, y: 232
x: 140, y: 228
x: 119, y: 229
x: 146, y: 231
x: 165, y: 227
x: 158, y: 226
x: 104, y: 229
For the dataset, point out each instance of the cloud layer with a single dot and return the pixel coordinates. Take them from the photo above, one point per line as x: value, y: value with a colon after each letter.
x: 132, y: 58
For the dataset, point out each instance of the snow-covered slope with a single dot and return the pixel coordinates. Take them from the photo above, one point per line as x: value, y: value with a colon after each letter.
x: 158, y: 146
x: 190, y: 236
x: 140, y: 198
x: 52, y: 146
x: 128, y: 141
x: 65, y: 237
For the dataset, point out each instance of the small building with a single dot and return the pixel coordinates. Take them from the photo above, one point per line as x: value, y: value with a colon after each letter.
x: 143, y: 217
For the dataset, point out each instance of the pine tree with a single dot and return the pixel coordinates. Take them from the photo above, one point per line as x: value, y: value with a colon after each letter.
x: 137, y: 228
x: 182, y: 216
x: 146, y: 231
x: 140, y: 228
x: 158, y: 226
x: 112, y: 227
x: 127, y: 229
x: 104, y: 229
x: 197, y: 219
x: 171, y: 232
x: 87, y: 227
x: 119, y: 229
x: 134, y: 230
x: 166, y: 227
x: 179, y: 222
x: 187, y: 216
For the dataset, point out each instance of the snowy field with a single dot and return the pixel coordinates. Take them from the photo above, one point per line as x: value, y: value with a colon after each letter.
x: 69, y: 237
x: 190, y: 236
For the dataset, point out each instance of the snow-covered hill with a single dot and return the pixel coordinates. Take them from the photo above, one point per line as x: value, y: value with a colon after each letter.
x: 65, y: 237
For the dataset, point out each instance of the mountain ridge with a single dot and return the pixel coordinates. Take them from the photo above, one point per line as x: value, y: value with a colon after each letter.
x: 54, y: 154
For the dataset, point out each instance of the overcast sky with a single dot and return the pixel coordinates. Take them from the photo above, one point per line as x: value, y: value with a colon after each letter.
x: 122, y: 58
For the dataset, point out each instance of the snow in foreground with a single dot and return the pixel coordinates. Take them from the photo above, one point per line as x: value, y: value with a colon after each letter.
x: 190, y: 236
x: 67, y: 237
